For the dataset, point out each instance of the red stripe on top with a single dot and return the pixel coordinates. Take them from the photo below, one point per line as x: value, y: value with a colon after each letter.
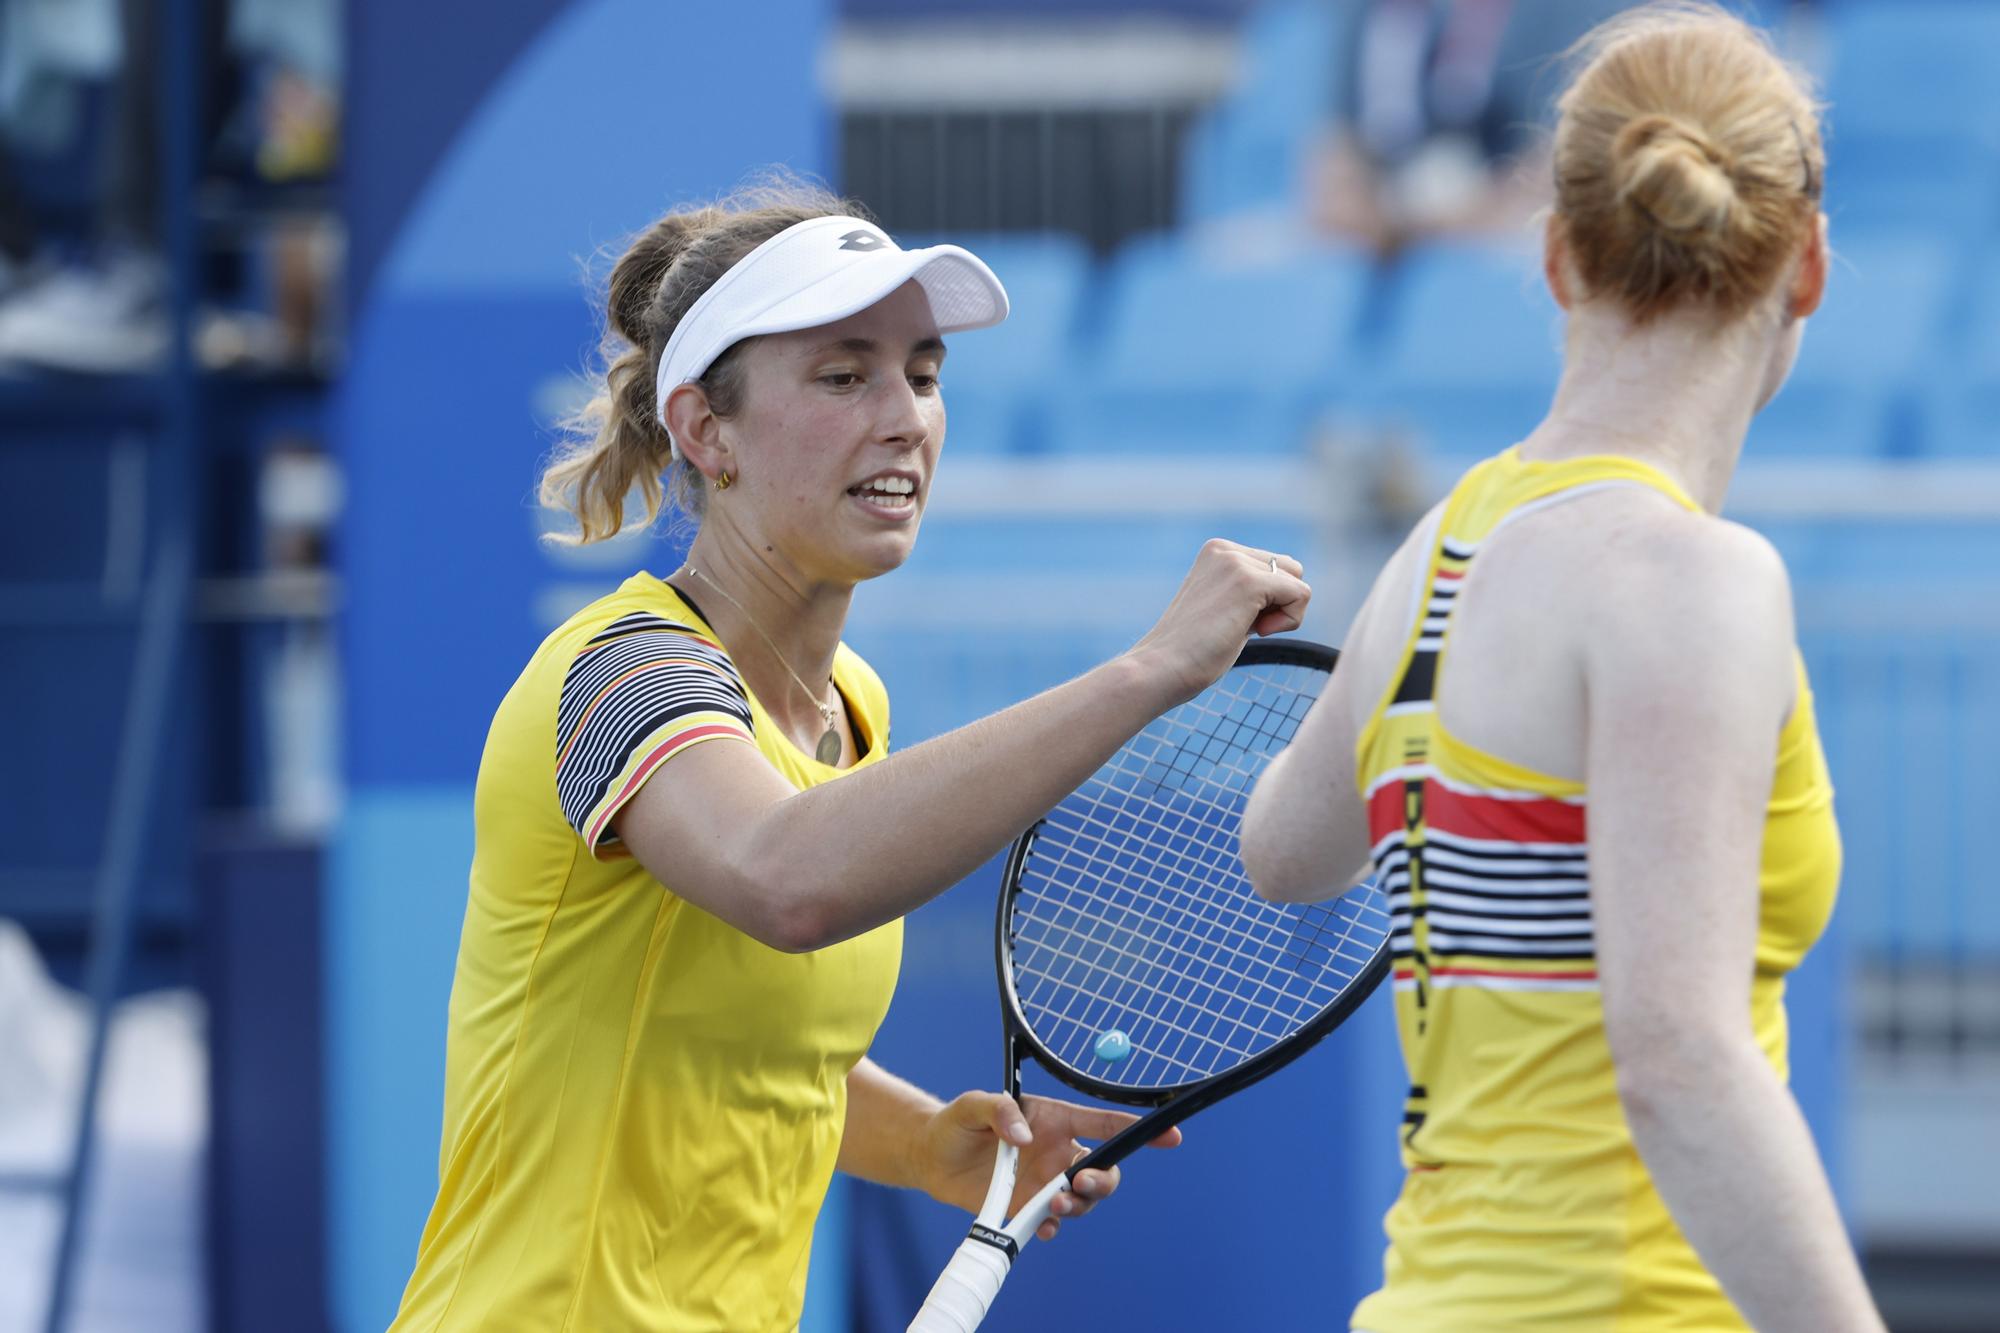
x: 1448, y: 575
x: 678, y: 741
x: 1532, y: 819
x: 1490, y: 818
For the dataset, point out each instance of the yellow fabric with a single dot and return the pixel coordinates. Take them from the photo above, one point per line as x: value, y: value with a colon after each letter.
x: 642, y: 1104
x: 1525, y: 1205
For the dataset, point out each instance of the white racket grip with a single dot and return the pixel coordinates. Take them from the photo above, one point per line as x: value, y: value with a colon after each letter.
x: 964, y: 1292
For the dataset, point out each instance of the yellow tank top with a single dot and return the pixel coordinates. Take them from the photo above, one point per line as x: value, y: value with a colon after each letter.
x: 642, y: 1104
x: 1525, y: 1205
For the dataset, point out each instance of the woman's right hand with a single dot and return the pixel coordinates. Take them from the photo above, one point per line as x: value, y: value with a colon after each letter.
x: 1231, y: 593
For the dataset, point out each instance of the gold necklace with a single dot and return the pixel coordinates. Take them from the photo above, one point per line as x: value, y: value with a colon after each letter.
x: 828, y: 749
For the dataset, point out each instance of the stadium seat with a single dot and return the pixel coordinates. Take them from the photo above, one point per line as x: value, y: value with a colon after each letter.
x: 1899, y: 715
x: 1946, y: 185
x: 1111, y: 541
x: 1202, y: 350
x: 1914, y: 137
x: 994, y: 379
x: 1964, y: 403
x: 1230, y: 166
x: 1910, y: 68
x: 1471, y: 351
x: 1876, y: 554
x: 1963, y: 419
x: 1243, y: 155
x: 1866, y: 356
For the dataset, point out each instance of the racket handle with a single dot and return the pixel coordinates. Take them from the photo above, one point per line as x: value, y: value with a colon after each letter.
x: 965, y: 1290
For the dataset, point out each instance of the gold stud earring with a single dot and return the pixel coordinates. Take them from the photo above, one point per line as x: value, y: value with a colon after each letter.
x: 722, y: 480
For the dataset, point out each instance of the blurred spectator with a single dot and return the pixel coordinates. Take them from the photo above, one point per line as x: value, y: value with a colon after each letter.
x: 285, y: 126
x: 97, y: 302
x: 1441, y: 108
x: 102, y: 310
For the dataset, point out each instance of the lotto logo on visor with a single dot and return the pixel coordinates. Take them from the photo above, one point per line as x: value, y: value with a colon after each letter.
x: 796, y: 280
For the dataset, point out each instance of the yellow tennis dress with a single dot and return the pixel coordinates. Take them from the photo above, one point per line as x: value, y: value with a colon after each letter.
x: 1525, y: 1205
x: 642, y: 1104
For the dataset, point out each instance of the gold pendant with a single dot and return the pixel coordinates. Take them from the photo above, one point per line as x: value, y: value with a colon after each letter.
x: 828, y: 750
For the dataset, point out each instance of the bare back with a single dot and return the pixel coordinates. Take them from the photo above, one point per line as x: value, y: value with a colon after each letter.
x: 1573, y: 578
x: 1514, y: 686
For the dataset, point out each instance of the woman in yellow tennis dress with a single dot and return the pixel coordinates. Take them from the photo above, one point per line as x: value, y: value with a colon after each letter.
x: 1574, y: 738
x: 682, y: 932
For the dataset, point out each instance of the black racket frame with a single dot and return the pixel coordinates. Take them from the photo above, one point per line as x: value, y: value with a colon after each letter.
x: 1176, y: 1103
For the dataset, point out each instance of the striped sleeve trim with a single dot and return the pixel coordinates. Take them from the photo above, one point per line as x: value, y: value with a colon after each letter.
x: 643, y: 690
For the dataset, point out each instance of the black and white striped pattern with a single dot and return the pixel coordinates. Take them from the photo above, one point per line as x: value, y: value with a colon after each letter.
x: 1520, y: 900
x: 1442, y: 593
x: 618, y: 704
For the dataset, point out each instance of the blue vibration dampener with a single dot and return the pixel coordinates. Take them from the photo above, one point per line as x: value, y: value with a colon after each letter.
x: 1113, y: 1045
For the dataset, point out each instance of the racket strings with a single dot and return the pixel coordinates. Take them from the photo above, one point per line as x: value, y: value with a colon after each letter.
x: 1234, y: 1031
x: 1133, y: 911
x: 1236, y: 1006
x: 1264, y: 1019
x: 1245, y: 949
x: 1146, y: 850
x: 1243, y: 1021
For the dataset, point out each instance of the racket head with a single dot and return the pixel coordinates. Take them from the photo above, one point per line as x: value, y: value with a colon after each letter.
x: 1126, y: 918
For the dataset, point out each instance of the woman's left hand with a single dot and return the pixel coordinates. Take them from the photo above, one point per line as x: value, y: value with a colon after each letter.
x: 960, y: 1140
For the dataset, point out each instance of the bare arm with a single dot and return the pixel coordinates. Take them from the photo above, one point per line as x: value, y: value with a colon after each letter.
x: 1689, y: 677
x: 1305, y: 831
x: 799, y: 870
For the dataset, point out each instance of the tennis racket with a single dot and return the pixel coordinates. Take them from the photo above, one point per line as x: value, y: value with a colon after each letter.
x: 1136, y: 962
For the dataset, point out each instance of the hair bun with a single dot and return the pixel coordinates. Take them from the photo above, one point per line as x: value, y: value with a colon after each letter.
x: 1674, y: 175
x: 1687, y: 162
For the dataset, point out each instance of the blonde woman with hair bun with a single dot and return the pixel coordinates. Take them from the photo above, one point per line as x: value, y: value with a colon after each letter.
x: 1572, y: 733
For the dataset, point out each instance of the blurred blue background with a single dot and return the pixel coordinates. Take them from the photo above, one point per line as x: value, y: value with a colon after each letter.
x: 291, y: 292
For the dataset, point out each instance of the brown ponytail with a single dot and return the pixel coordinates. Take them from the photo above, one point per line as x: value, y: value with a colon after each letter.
x: 616, y: 442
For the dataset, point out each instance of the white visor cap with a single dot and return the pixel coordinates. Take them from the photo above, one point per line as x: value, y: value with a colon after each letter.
x: 816, y: 272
